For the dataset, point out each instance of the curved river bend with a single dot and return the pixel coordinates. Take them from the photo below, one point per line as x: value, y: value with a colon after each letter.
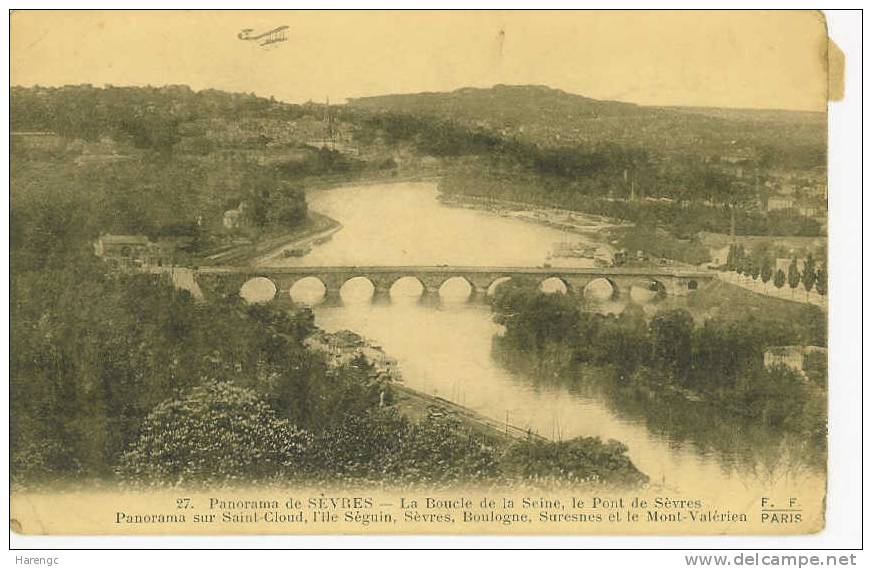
x: 448, y: 349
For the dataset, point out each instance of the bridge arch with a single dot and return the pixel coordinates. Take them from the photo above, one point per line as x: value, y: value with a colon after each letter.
x: 258, y: 290
x: 554, y: 284
x: 456, y: 289
x: 496, y: 284
x: 309, y: 290
x: 406, y: 287
x: 600, y: 288
x: 357, y: 289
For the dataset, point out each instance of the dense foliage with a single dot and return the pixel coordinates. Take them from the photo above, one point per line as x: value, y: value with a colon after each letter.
x: 689, y: 206
x: 720, y: 359
x: 152, y: 116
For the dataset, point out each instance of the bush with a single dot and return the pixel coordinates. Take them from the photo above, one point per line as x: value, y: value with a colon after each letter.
x: 219, y: 432
x: 582, y: 459
x: 385, y: 446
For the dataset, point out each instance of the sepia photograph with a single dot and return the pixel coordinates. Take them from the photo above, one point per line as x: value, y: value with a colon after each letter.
x: 419, y: 272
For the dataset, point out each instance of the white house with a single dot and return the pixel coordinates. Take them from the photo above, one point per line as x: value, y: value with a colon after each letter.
x: 792, y: 357
x: 233, y: 217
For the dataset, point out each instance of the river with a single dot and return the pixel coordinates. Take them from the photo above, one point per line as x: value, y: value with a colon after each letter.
x: 448, y: 349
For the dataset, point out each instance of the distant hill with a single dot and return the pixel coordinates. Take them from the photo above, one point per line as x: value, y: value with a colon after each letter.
x: 553, y: 118
x: 505, y: 105
x: 754, y: 115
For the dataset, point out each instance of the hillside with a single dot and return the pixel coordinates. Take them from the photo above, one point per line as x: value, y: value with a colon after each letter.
x: 646, y: 165
x: 505, y: 105
x: 551, y: 117
x: 527, y: 143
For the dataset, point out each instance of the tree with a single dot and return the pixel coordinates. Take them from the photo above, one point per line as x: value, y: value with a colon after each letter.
x: 536, y: 319
x: 744, y: 266
x: 288, y: 206
x: 820, y: 282
x: 739, y: 259
x: 793, y: 274
x: 766, y: 271
x: 672, y: 332
x: 809, y: 275
x: 731, y: 257
x: 779, y: 279
x: 755, y: 270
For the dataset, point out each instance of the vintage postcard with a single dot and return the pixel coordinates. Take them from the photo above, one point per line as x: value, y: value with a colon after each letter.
x: 419, y: 272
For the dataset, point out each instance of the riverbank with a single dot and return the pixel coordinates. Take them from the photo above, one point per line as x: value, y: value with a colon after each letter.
x: 556, y: 218
x: 345, y: 346
x: 417, y: 405
x: 317, y: 226
x: 593, y: 227
x: 323, y: 230
x: 573, y: 460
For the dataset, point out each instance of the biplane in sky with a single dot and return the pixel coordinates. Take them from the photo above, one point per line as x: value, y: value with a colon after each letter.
x: 275, y: 35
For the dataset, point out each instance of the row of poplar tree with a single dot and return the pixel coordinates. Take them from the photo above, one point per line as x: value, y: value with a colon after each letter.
x: 812, y: 276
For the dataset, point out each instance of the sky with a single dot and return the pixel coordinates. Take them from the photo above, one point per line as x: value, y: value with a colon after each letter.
x: 738, y: 59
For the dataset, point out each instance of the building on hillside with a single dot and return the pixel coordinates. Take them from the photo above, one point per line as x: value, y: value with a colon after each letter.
x: 36, y: 140
x: 123, y: 248
x: 233, y: 217
x: 792, y: 357
x: 337, y: 146
x: 138, y: 250
x: 106, y: 150
x: 815, y: 211
x: 719, y: 256
x: 780, y: 202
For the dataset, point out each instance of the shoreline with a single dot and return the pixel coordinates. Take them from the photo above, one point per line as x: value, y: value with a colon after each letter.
x: 298, y: 241
x: 556, y: 218
x: 410, y: 402
x: 254, y: 254
x: 597, y: 228
x: 414, y: 404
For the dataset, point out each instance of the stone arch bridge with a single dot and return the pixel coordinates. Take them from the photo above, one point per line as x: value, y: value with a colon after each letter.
x: 672, y: 281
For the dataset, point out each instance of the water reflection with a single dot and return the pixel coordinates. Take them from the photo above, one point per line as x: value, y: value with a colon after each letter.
x: 745, y: 449
x: 448, y: 351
